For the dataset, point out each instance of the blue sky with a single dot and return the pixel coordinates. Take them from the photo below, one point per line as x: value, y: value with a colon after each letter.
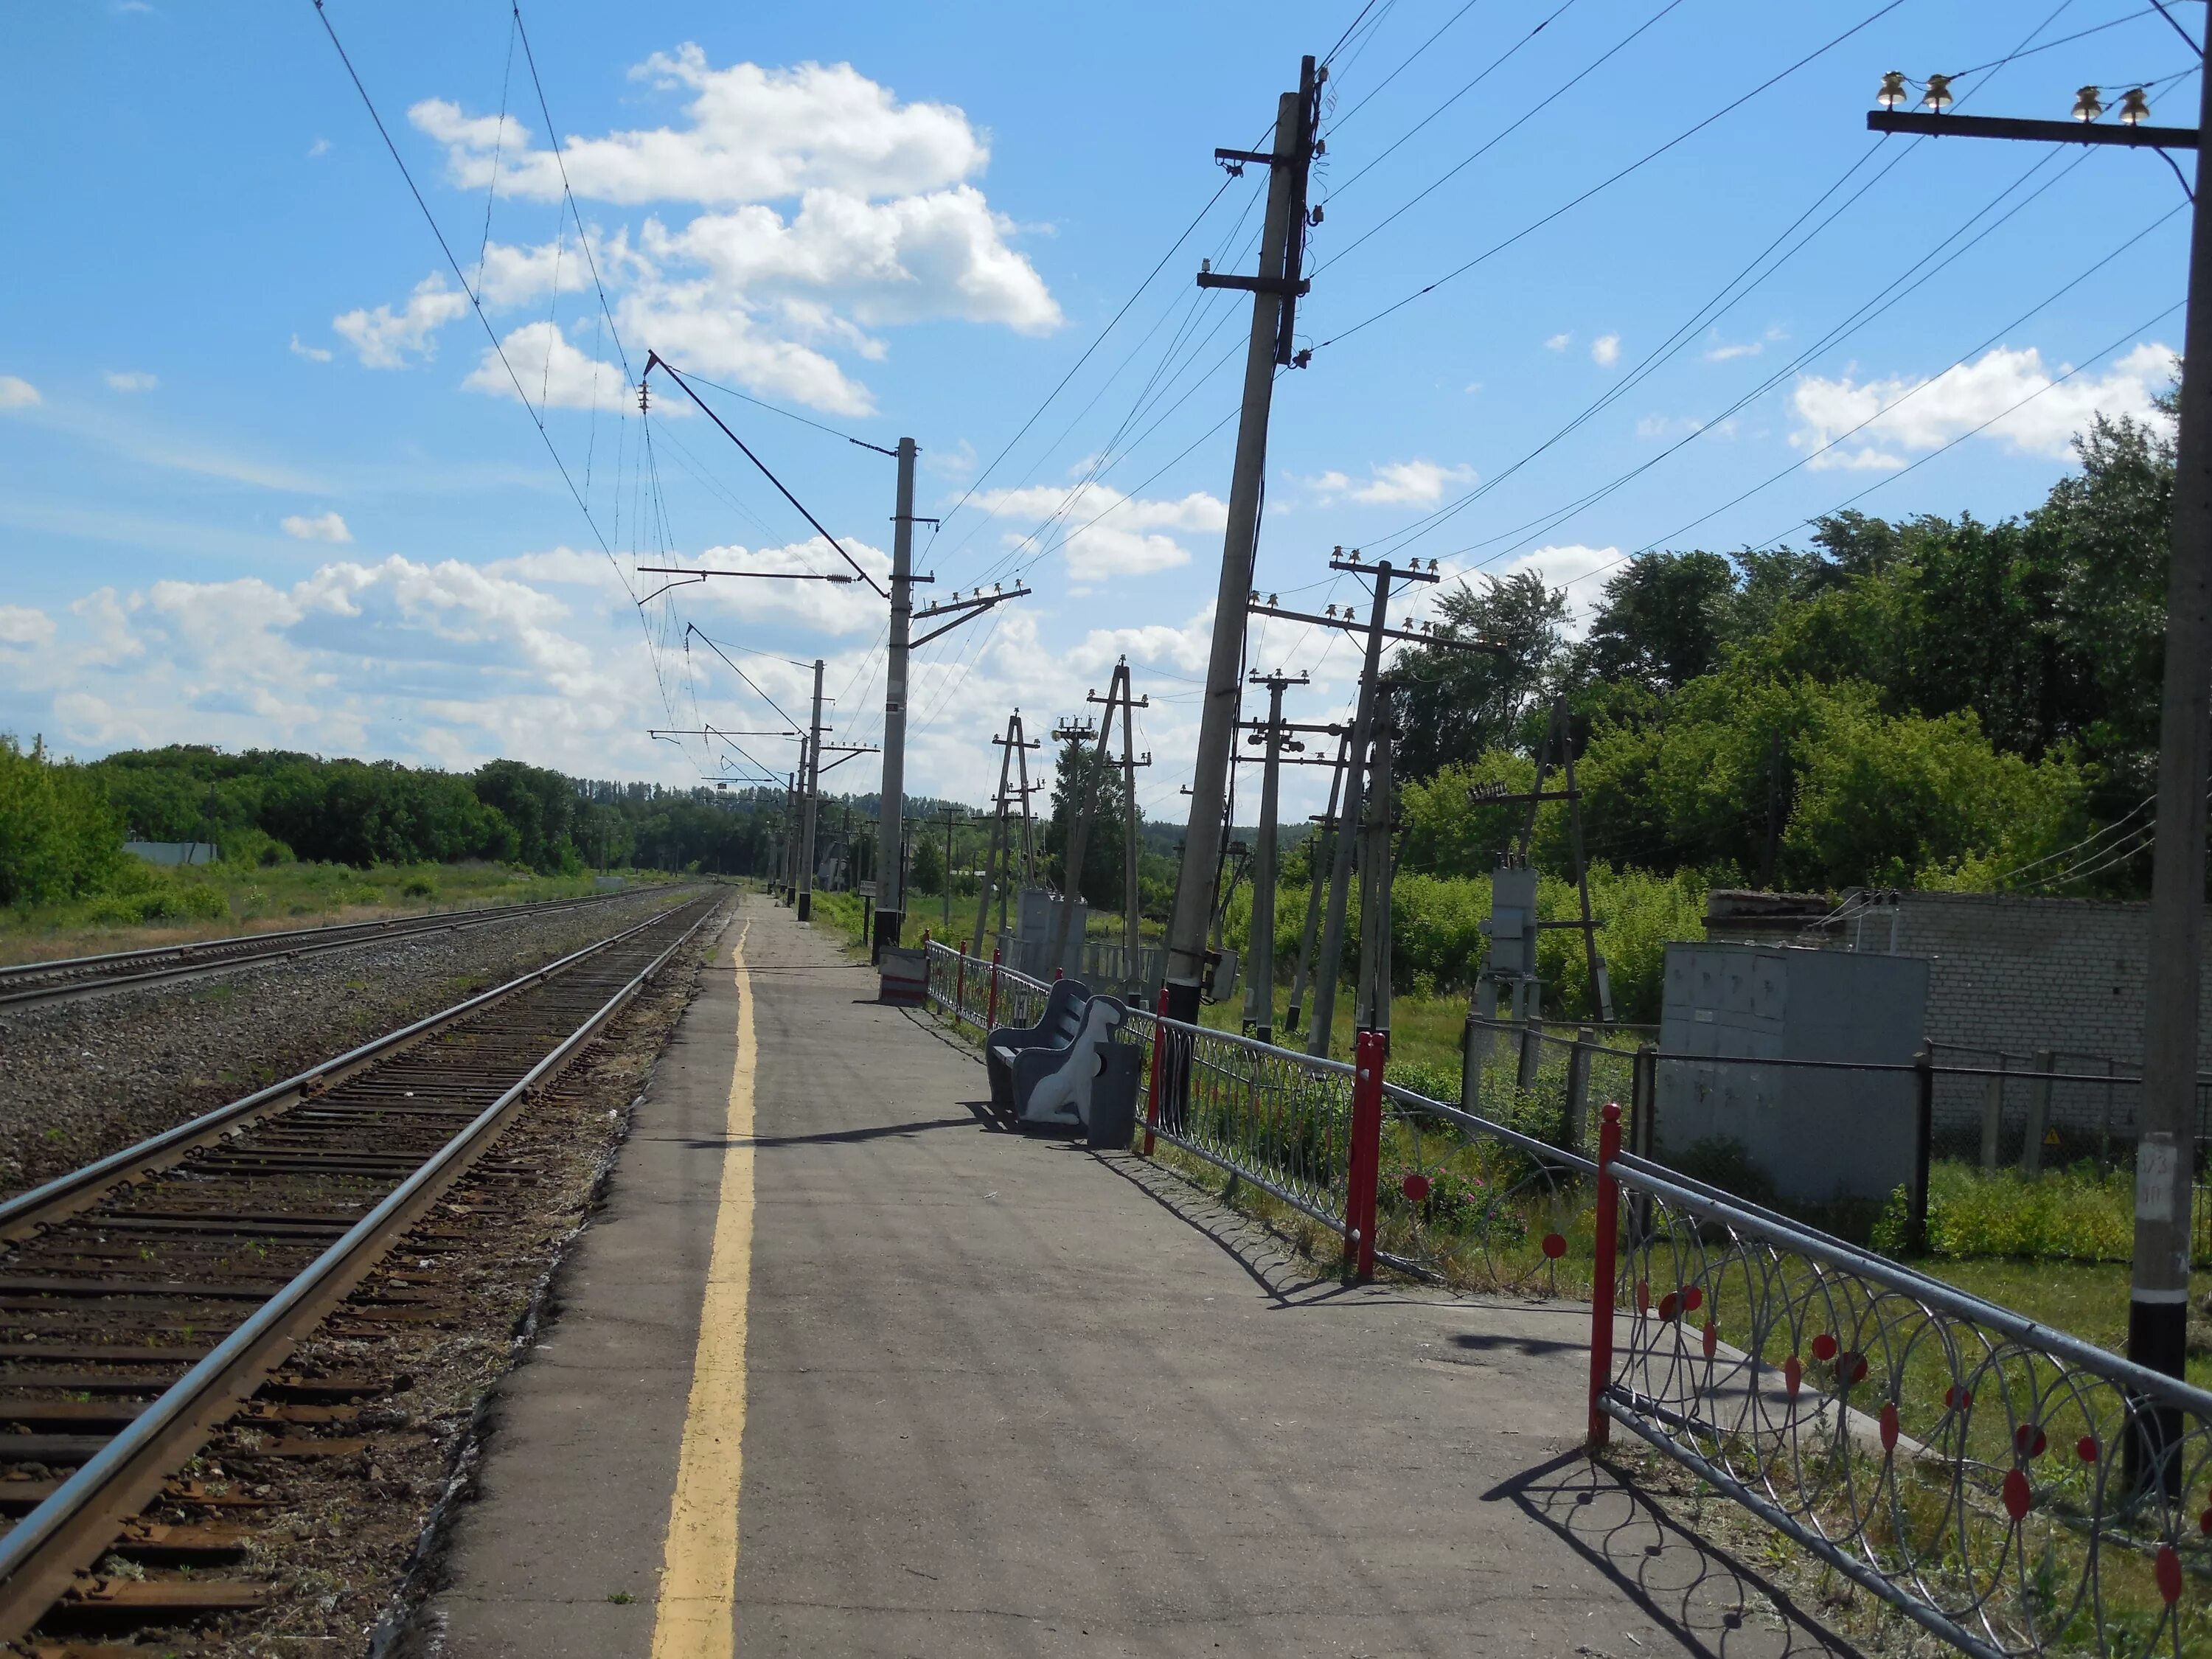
x: 262, y: 483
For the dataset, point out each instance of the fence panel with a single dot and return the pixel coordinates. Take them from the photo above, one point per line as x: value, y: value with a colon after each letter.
x: 2013, y: 1490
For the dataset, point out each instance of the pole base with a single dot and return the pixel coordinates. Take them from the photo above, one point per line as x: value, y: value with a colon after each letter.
x: 886, y: 934
x: 2158, y: 1339
x: 806, y: 906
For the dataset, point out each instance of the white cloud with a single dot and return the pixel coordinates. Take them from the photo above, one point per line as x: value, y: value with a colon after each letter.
x: 385, y: 340
x: 1103, y: 534
x: 885, y: 226
x: 131, y: 381
x: 1559, y: 343
x: 313, y: 354
x: 554, y: 373
x: 1722, y: 351
x: 18, y: 394
x: 1930, y: 413
x: 1605, y: 351
x: 756, y: 135
x: 323, y: 527
x: 1395, y: 483
x: 21, y: 625
x: 321, y: 147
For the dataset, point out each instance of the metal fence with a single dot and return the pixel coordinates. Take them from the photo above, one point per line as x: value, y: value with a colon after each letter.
x: 2013, y: 1489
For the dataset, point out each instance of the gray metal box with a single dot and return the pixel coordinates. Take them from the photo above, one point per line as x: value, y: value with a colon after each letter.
x: 1819, y: 1134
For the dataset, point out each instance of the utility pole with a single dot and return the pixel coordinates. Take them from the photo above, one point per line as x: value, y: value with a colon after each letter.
x: 791, y: 825
x: 809, y: 803
x: 891, y: 892
x: 1362, y: 739
x: 1012, y: 747
x: 1259, y: 967
x: 1372, y: 997
x: 1316, y: 849
x: 1274, y: 293
x: 953, y: 816
x: 1084, y: 804
x: 2158, y: 1304
x: 1133, y: 828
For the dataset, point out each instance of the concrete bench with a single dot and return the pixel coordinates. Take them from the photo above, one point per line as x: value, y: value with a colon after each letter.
x: 1048, y: 1072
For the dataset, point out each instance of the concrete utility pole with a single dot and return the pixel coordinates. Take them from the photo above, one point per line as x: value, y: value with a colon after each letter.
x: 1013, y: 749
x: 891, y: 892
x: 952, y: 817
x: 1316, y: 850
x: 810, y: 801
x: 1083, y: 807
x: 1132, y: 826
x: 1260, y: 966
x: 791, y: 825
x: 2158, y: 1304
x: 1372, y: 997
x: 1275, y: 295
x: 1363, y: 740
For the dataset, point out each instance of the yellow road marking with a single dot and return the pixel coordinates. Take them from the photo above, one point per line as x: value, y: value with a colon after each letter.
x: 694, y: 1618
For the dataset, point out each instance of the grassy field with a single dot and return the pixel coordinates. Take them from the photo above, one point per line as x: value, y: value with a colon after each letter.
x: 171, y: 906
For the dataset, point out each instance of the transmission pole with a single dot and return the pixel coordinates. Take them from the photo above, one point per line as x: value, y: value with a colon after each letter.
x: 1274, y: 297
x: 1362, y: 739
x: 1260, y: 968
x: 1372, y: 997
x: 810, y: 802
x: 1316, y: 850
x: 2158, y: 1305
x: 890, y: 892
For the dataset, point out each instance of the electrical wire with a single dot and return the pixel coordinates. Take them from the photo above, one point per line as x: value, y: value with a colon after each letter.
x: 1606, y: 183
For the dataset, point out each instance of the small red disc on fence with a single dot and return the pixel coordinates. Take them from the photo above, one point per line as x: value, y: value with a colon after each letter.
x: 1851, y: 1368
x: 1889, y: 1425
x: 1643, y: 1296
x: 1667, y: 1307
x: 1694, y: 1299
x: 1415, y: 1187
x: 1824, y: 1346
x: 1793, y: 1373
x: 2086, y: 1450
x: 2028, y: 1440
x: 2169, y: 1574
x: 2205, y: 1522
x: 1554, y: 1246
x: 1958, y: 1399
x: 1712, y: 1337
x: 2018, y: 1500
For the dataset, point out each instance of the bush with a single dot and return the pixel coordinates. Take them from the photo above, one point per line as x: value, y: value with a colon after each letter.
x: 59, y: 838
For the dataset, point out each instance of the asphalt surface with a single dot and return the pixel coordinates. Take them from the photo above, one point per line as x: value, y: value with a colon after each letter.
x: 1002, y: 1396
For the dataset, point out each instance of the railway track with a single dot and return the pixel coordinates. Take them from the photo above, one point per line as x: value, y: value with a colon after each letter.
x: 153, y: 1296
x: 43, y: 981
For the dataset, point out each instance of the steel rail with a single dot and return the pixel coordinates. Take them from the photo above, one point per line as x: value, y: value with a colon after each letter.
x: 66, y: 1195
x: 79, y: 975
x: 67, y: 1533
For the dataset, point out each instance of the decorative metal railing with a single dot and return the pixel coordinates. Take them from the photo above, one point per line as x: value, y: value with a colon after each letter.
x: 2013, y: 1490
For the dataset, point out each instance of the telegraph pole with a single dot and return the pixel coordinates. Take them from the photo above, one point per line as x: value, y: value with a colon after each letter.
x: 891, y: 892
x: 2158, y: 1304
x: 1260, y: 969
x: 1081, y: 810
x: 1274, y: 293
x: 809, y: 802
x: 1324, y: 827
x: 1372, y: 997
x: 1362, y: 739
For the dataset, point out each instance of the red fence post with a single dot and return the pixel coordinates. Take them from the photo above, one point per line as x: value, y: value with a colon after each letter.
x: 1058, y: 975
x: 960, y: 986
x: 1159, y: 1064
x: 1605, y: 1273
x: 1364, y: 1167
x: 991, y: 1011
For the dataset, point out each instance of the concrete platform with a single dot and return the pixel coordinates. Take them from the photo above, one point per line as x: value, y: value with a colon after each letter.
x: 999, y: 1395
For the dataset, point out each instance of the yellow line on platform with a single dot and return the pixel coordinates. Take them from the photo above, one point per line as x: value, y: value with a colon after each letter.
x: 694, y: 1618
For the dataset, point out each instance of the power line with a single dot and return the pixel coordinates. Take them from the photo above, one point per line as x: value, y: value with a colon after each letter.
x: 1641, y: 162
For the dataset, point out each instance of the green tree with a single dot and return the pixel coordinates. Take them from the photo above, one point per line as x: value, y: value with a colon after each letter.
x: 1459, y: 705
x: 59, y: 837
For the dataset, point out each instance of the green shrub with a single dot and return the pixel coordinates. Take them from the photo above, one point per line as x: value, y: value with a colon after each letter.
x: 419, y: 887
x: 59, y: 838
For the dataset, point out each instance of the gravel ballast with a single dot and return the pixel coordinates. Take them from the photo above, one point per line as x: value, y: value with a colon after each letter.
x: 89, y: 1076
